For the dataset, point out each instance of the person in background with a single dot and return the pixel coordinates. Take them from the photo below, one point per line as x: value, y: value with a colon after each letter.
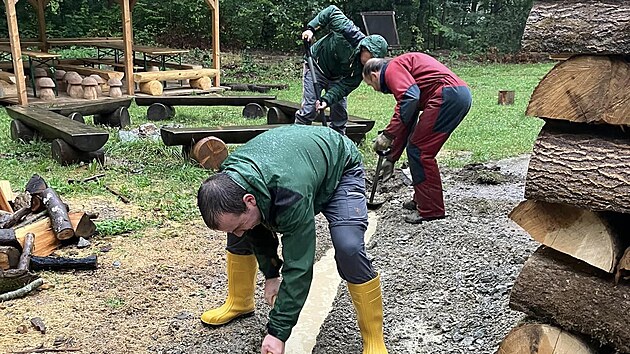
x: 419, y: 83
x: 338, y: 60
x: 258, y: 193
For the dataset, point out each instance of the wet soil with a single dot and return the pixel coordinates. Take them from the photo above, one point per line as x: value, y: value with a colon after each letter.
x: 445, y: 283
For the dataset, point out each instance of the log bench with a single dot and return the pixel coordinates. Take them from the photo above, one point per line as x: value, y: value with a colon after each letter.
x: 162, y: 107
x: 72, y: 141
x: 284, y: 112
x: 150, y: 82
x: 107, y: 111
x: 187, y: 137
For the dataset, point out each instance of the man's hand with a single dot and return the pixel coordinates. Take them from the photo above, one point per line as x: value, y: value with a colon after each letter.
x: 271, y: 290
x: 272, y: 345
x: 320, y: 105
x: 307, y: 35
x: 381, y: 143
x: 387, y: 170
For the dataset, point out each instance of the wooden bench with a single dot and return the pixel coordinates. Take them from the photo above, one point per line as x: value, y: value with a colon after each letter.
x: 162, y: 107
x: 108, y: 62
x: 236, y: 134
x: 287, y: 110
x: 150, y: 81
x: 109, y: 111
x: 72, y: 141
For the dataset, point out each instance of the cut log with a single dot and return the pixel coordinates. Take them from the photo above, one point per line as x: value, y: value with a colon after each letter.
x: 15, y: 217
x: 276, y: 116
x: 533, y: 338
x: 506, y: 97
x: 60, y: 263
x: 61, y: 225
x: 578, y: 26
x: 580, y: 233
x: 25, y: 257
x: 35, y: 186
x: 623, y: 267
x: 202, y: 83
x: 7, y: 238
x: 141, y: 77
x: 153, y: 88
x: 6, y: 195
x: 20, y: 131
x: 590, y: 170
x: 65, y: 154
x: 210, y: 152
x: 119, y: 118
x: 585, y: 89
x: 158, y: 111
x: 575, y: 295
x: 9, y: 257
x: 254, y: 110
x: 45, y: 240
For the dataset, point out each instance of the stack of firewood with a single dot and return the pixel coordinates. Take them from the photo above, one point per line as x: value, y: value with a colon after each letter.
x: 578, y: 184
x: 32, y: 226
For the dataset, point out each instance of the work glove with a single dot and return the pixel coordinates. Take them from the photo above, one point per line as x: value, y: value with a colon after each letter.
x: 381, y: 143
x: 387, y: 170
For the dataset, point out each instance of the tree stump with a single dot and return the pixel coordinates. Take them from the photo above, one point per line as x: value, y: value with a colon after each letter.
x: 506, y: 97
x: 19, y: 131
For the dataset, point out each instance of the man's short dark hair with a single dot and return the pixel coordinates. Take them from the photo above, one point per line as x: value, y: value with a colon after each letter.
x: 373, y: 65
x: 219, y: 194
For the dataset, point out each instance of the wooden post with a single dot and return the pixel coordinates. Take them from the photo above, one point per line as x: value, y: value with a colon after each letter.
x: 214, y: 6
x: 128, y: 40
x: 16, y: 52
x: 41, y: 21
x: 506, y: 97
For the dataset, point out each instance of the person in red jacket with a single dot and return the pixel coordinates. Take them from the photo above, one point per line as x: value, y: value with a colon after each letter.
x: 420, y: 84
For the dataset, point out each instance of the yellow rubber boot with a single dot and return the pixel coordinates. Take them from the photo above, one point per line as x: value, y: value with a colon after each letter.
x: 241, y: 273
x: 367, y: 301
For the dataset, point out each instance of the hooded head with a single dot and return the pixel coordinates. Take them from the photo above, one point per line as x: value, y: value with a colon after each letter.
x: 375, y: 47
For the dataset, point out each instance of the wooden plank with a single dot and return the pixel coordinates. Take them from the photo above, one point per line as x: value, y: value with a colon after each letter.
x: 158, y: 50
x: 83, y: 70
x: 88, y: 41
x: 234, y: 134
x: 202, y: 100
x: 128, y: 44
x: 55, y: 126
x: 109, y: 62
x: 16, y: 51
x: 289, y: 108
x: 100, y: 106
x: 31, y: 53
x: 6, y: 195
x: 28, y: 42
x: 173, y: 75
x: 183, y: 66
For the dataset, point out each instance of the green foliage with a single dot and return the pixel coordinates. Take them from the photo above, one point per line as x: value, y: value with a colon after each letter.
x: 114, y: 227
x: 466, y: 25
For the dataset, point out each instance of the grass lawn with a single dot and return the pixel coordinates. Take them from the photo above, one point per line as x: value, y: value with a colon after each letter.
x: 159, y: 182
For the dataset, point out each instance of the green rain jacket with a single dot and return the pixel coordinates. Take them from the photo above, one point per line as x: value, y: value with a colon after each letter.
x: 337, y: 54
x: 292, y: 172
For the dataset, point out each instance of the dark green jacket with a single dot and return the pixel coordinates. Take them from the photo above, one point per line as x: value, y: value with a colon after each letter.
x: 292, y: 171
x: 337, y: 54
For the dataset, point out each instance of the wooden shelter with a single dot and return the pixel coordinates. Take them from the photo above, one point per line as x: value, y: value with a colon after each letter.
x: 127, y: 31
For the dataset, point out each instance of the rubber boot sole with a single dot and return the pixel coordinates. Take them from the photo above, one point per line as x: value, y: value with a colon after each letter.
x: 245, y: 315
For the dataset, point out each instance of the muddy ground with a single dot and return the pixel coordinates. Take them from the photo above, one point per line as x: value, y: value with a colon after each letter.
x: 445, y: 283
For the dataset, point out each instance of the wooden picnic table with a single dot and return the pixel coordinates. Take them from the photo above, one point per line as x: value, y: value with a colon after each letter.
x: 149, y: 53
x: 43, y: 58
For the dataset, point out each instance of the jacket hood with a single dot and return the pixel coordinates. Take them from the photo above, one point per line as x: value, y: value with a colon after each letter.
x: 376, y: 44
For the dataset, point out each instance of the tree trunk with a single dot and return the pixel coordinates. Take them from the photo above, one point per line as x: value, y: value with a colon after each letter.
x: 534, y: 338
x: 585, y: 89
x: 589, y: 170
x: 61, y: 225
x: 580, y: 233
x: 578, y: 26
x: 576, y: 296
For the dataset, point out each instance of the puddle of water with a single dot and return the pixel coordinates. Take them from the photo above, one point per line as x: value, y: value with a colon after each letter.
x: 323, y: 291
